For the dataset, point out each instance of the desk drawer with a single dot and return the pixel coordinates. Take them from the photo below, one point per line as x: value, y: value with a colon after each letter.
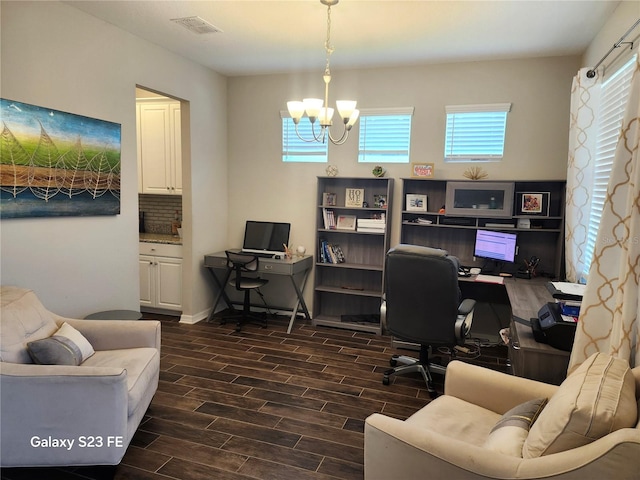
x: 275, y: 268
x: 215, y: 262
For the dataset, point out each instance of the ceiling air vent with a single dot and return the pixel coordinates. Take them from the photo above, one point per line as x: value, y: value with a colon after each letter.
x: 196, y: 25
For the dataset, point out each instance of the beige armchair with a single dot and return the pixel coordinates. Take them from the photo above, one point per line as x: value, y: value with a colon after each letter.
x: 588, y: 429
x: 67, y: 414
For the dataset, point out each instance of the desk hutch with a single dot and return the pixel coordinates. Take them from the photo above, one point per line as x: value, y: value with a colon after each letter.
x: 456, y: 233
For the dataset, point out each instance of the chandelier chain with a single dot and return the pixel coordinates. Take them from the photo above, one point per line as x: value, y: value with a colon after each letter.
x: 327, y: 45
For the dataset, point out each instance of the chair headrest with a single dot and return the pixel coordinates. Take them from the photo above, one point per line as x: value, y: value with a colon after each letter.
x: 418, y: 250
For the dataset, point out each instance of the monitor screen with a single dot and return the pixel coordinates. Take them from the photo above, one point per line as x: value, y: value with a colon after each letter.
x: 497, y: 246
x: 265, y: 237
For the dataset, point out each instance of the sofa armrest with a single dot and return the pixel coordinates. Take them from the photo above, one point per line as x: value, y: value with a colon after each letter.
x: 495, y: 391
x: 62, y: 402
x: 117, y: 334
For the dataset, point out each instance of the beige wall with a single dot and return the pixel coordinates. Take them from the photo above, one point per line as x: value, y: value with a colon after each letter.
x: 54, y: 55
x: 627, y: 13
x: 261, y: 187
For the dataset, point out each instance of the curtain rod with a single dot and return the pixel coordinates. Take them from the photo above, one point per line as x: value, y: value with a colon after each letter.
x: 592, y: 73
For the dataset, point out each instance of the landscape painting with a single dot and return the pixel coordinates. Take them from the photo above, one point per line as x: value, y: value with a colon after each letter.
x: 54, y: 163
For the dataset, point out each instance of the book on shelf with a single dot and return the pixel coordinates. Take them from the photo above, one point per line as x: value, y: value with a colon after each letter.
x: 329, y: 219
x: 330, y: 253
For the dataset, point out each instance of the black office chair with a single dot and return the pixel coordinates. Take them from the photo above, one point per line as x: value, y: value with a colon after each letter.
x: 241, y: 264
x: 422, y: 305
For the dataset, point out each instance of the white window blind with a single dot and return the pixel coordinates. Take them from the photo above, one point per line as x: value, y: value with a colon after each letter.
x: 475, y: 132
x: 613, y: 101
x: 296, y: 150
x: 385, y: 135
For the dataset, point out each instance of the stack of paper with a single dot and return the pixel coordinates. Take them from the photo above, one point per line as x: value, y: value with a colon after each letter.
x: 372, y: 225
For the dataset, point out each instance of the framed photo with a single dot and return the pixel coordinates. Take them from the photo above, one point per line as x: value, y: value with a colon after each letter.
x: 354, y: 197
x: 533, y: 203
x: 328, y: 199
x: 380, y: 201
x: 346, y: 222
x: 422, y: 170
x: 416, y: 202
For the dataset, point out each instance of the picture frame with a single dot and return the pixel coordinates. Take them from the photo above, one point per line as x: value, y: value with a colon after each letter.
x: 346, y: 222
x: 380, y: 201
x: 328, y: 199
x: 533, y: 203
x: 354, y: 197
x: 422, y: 170
x: 416, y: 202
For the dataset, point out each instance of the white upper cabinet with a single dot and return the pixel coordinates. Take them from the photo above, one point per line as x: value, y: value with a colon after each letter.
x: 159, y: 148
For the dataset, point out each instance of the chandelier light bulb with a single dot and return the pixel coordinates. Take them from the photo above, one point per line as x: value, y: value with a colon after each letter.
x: 296, y: 110
x: 353, y: 119
x: 326, y: 114
x: 313, y: 106
x: 346, y: 108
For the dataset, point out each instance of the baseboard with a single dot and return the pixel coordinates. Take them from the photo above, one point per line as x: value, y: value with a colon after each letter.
x: 198, y: 317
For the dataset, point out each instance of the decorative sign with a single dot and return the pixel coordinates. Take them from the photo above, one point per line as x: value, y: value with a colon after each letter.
x: 354, y: 197
x: 422, y: 170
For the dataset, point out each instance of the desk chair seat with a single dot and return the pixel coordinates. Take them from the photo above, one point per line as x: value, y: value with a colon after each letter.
x: 422, y: 305
x: 242, y: 264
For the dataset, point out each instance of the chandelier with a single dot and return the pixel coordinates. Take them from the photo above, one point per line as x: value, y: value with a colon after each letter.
x: 317, y: 109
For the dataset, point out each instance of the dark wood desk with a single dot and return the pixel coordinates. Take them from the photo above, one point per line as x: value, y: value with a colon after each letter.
x: 296, y: 269
x: 521, y: 298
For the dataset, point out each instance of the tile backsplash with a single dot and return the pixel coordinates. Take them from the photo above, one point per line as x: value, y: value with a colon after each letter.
x: 159, y: 211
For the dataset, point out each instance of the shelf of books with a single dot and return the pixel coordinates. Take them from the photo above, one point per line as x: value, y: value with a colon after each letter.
x: 352, y: 238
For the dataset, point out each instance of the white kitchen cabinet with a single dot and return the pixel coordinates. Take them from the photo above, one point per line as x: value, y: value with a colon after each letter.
x: 161, y: 276
x: 159, y: 147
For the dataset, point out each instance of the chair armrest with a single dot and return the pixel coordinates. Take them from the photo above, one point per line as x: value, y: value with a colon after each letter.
x: 62, y: 402
x: 117, y: 334
x: 466, y: 306
x: 397, y: 449
x: 495, y: 391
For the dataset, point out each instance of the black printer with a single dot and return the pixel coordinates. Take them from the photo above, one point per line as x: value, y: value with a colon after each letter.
x: 550, y: 327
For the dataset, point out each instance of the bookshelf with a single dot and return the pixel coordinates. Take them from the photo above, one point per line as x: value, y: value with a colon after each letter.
x: 353, y: 219
x: 544, y: 237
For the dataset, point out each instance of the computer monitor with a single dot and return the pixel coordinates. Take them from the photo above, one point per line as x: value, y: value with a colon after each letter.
x: 268, y: 238
x: 496, y: 246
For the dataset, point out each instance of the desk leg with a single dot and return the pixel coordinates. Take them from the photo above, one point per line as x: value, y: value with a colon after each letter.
x: 300, y: 300
x: 221, y: 293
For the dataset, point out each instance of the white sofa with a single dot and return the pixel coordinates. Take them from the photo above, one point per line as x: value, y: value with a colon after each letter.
x: 587, y: 430
x: 65, y: 414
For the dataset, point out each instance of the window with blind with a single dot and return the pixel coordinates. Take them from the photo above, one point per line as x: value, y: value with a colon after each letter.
x: 385, y: 135
x: 613, y: 101
x: 475, y: 132
x: 296, y: 150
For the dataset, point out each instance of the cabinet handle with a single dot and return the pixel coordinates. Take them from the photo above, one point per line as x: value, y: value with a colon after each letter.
x: 150, y: 263
x: 516, y: 345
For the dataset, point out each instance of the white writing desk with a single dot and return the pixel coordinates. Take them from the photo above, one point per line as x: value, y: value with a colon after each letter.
x: 296, y: 269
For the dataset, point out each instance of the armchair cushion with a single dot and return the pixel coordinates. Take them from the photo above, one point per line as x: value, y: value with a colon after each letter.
x: 509, y: 434
x: 67, y: 346
x: 596, y: 399
x: 24, y: 319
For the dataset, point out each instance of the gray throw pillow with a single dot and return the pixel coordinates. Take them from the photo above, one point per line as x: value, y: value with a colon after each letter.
x: 67, y: 346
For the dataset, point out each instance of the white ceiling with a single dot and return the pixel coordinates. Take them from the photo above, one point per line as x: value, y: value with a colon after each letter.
x: 274, y: 36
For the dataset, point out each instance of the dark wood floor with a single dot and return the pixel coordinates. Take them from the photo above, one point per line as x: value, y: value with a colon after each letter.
x: 261, y: 404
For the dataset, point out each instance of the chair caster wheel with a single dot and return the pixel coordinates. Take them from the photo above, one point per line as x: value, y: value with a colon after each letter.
x: 385, y: 380
x: 393, y: 362
x: 238, y: 329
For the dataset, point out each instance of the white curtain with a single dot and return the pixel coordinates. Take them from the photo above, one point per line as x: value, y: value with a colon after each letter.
x: 609, y: 313
x: 585, y: 98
